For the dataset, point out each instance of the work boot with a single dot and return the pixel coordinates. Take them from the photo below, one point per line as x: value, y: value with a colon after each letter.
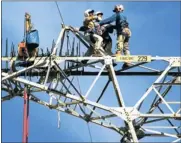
x: 114, y: 64
x: 126, y: 65
x: 84, y: 61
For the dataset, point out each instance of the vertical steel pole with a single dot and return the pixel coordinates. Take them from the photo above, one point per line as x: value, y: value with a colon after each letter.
x: 25, y: 116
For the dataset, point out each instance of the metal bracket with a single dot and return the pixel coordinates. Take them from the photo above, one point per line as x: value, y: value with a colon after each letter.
x: 176, y: 61
x: 108, y: 60
x: 126, y: 113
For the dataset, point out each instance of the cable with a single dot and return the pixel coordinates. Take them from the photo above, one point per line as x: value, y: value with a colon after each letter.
x: 59, y: 12
x: 84, y: 111
x: 77, y: 77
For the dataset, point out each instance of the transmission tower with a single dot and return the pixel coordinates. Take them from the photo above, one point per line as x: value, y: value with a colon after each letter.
x: 56, y: 72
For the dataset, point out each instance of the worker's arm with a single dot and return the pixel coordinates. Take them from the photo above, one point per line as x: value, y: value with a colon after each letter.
x: 109, y: 20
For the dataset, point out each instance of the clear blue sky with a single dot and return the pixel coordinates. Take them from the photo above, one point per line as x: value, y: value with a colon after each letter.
x: 155, y: 31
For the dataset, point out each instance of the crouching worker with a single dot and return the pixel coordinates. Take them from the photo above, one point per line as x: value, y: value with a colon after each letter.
x: 90, y: 34
x: 123, y: 31
x: 29, y: 46
x: 22, y: 50
x: 104, y: 31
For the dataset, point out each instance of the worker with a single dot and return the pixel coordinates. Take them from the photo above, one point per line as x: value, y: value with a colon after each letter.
x: 123, y: 31
x: 104, y: 31
x: 22, y: 50
x: 90, y: 34
x: 32, y: 37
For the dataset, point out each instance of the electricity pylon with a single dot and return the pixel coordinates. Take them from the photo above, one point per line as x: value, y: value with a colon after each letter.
x: 55, y: 72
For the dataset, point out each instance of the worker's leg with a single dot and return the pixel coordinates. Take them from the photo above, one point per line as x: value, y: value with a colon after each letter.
x: 90, y: 51
x: 34, y: 52
x: 126, y: 48
x: 108, y: 48
x: 99, y: 41
x: 127, y: 33
x: 120, y: 44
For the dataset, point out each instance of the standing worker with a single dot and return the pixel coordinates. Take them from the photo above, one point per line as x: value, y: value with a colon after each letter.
x: 123, y: 31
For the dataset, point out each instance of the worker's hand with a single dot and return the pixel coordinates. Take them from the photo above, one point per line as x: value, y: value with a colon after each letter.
x: 95, y: 17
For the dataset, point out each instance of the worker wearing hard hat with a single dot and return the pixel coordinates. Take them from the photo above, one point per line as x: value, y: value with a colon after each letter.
x: 123, y: 31
x: 103, y: 31
x: 89, y: 23
x: 99, y: 15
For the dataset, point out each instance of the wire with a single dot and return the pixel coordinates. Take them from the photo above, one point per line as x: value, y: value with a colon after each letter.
x: 84, y: 111
x: 77, y: 77
x: 59, y: 12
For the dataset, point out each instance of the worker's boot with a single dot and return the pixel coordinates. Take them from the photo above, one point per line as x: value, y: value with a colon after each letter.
x: 84, y: 61
x: 114, y: 64
x: 126, y: 65
x: 25, y: 53
x: 118, y: 53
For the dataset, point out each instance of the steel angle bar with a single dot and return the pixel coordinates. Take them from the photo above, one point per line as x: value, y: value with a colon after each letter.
x: 93, y: 83
x: 60, y: 37
x: 81, y: 58
x: 179, y: 110
x: 151, y: 88
x: 160, y: 115
x: 48, y: 72
x: 160, y: 127
x: 163, y: 100
x: 121, y: 102
x: 21, y: 71
x: 63, y: 73
x: 161, y: 133
x: 82, y: 65
x: 116, y: 86
x: 104, y: 117
x: 156, y: 103
x: 172, y: 102
x: 46, y: 88
x: 80, y: 37
x: 87, y: 73
x: 7, y: 97
x: 167, y: 83
x: 145, y: 67
x: 28, y: 82
x: 135, y: 65
x: 179, y: 139
x: 102, y: 93
x: 151, y: 121
x: 168, y: 120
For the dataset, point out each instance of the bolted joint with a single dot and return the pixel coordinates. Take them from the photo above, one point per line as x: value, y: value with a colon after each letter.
x: 108, y: 60
x: 87, y: 117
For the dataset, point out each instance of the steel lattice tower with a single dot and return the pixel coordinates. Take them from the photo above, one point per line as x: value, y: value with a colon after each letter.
x: 55, y: 71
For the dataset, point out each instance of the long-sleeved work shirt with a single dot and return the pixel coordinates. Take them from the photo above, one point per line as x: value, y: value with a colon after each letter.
x: 89, y: 22
x: 119, y: 18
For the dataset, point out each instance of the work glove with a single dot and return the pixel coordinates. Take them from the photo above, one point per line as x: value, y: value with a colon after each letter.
x: 95, y: 17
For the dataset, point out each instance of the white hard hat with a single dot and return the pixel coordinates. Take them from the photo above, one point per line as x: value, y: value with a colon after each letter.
x: 119, y: 7
x: 99, y: 12
x: 86, y: 13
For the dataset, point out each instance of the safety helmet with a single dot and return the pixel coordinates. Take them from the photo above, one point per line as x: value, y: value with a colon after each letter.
x: 99, y: 12
x: 88, y: 11
x: 118, y: 7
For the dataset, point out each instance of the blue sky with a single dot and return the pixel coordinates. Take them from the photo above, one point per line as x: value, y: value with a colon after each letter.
x: 155, y: 31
